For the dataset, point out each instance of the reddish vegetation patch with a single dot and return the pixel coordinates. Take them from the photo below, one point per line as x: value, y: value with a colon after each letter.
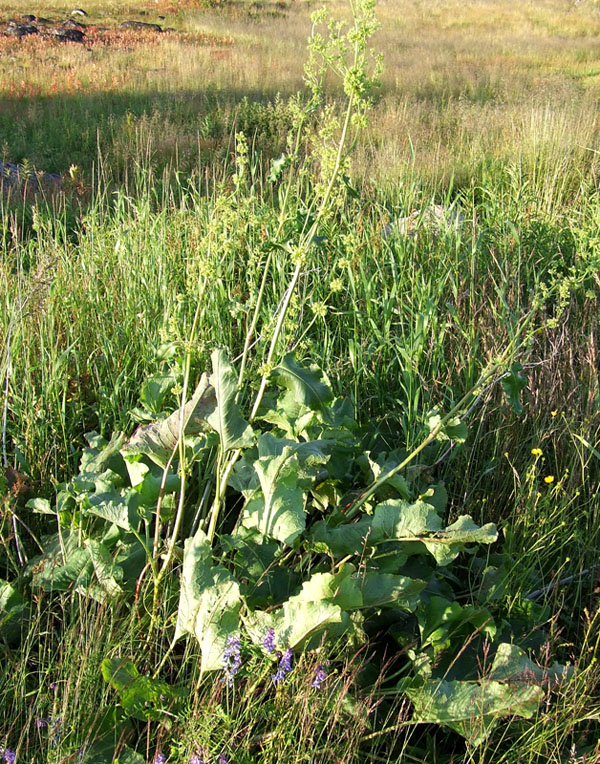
x: 124, y: 39
x: 39, y: 49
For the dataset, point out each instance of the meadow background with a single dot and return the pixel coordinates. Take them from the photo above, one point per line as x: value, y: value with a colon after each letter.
x: 489, y: 108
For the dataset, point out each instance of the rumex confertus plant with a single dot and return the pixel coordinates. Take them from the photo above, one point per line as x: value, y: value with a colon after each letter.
x: 296, y: 527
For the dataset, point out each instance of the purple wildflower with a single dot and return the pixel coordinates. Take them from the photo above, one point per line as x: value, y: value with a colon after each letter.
x: 223, y: 760
x: 195, y: 759
x: 9, y: 756
x: 160, y: 758
x: 319, y: 677
x: 285, y: 666
x: 269, y: 641
x: 53, y: 686
x: 232, y: 659
x: 41, y: 723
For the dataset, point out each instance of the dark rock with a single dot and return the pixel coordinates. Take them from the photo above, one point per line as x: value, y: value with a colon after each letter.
x: 28, y: 17
x: 72, y: 24
x: 78, y: 12
x: 44, y: 22
x: 69, y: 35
x: 14, y: 29
x: 141, y: 25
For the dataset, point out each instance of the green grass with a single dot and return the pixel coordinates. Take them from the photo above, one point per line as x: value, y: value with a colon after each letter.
x: 98, y: 286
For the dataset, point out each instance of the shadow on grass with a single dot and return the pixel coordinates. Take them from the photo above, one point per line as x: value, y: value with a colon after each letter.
x: 168, y: 128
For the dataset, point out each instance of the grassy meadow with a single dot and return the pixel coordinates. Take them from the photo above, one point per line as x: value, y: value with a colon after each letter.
x: 216, y: 216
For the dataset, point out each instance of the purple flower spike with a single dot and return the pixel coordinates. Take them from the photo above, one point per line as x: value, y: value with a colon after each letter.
x: 319, y: 678
x: 9, y: 756
x: 232, y: 659
x: 285, y: 666
x: 160, y: 758
x: 269, y: 641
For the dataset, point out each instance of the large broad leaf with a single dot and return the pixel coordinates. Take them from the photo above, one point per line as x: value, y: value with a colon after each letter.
x: 512, y: 664
x: 441, y: 620
x: 307, y: 614
x: 379, y: 589
x: 455, y: 429
x: 155, y: 390
x: 209, y: 602
x: 41, y: 506
x: 105, y: 569
x: 159, y: 439
x: 375, y: 468
x: 14, y: 611
x: 515, y: 687
x: 416, y: 526
x: 284, y: 469
x: 98, y: 457
x: 306, y: 386
x: 108, y: 750
x: 226, y: 419
x: 148, y: 481
x: 266, y: 581
x: 448, y: 544
x: 53, y: 572
x: 118, y: 508
x: 473, y: 709
x: 141, y: 697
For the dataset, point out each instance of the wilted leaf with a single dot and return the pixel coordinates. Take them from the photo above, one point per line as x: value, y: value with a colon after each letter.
x: 159, y: 439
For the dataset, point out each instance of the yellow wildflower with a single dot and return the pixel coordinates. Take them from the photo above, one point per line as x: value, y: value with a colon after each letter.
x: 549, y: 479
x: 536, y: 451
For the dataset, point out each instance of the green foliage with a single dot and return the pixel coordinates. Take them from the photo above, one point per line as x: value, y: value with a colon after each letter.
x: 226, y: 420
x: 140, y: 697
x: 515, y: 686
x: 513, y: 384
x: 209, y: 602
